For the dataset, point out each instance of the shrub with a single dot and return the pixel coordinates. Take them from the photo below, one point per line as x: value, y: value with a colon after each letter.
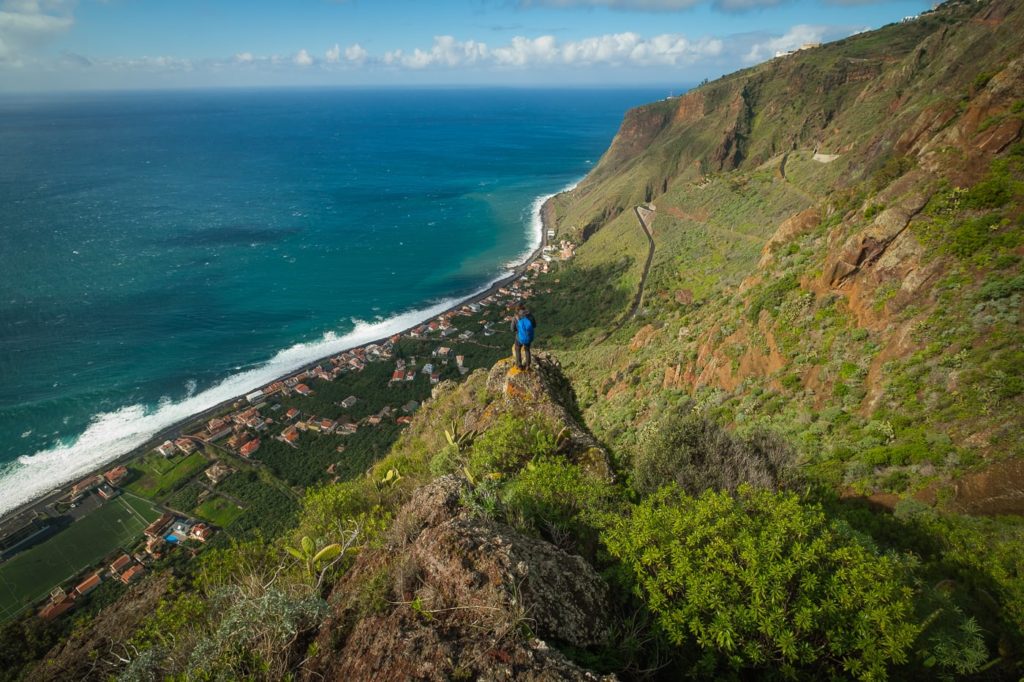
x: 557, y: 498
x: 994, y: 191
x: 760, y: 580
x: 996, y: 287
x: 770, y: 296
x: 508, y: 444
x: 982, y: 79
x: 873, y: 210
x: 972, y: 235
x: 696, y: 453
x: 893, y: 168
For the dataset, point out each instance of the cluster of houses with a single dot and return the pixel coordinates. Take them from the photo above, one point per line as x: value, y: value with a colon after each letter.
x: 105, y: 485
x: 170, y: 530
x: 167, y: 530
x: 241, y: 428
x: 564, y: 250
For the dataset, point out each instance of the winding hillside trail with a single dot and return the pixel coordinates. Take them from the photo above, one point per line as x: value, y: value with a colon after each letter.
x: 644, y: 214
x: 813, y: 199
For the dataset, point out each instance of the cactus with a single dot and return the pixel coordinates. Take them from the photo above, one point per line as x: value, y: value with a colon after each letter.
x: 458, y: 438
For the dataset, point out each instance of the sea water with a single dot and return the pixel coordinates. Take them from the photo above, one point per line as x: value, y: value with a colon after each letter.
x: 163, y: 251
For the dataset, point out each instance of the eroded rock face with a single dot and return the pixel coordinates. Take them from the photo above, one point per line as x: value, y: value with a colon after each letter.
x: 463, y: 597
x: 794, y: 226
x: 867, y: 246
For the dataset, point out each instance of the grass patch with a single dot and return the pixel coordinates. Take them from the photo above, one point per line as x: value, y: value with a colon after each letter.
x: 218, y: 511
x: 154, y: 476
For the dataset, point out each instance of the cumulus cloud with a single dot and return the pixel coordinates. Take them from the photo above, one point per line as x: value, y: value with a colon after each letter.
x: 618, y: 49
x: 244, y: 58
x: 333, y: 54
x: 793, y: 38
x: 662, y: 5
x: 649, y: 5
x: 302, y: 58
x: 28, y: 24
x: 446, y: 51
x: 356, y: 54
x: 743, y: 5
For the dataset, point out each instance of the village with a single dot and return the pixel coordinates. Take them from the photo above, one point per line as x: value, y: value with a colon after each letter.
x: 178, y: 488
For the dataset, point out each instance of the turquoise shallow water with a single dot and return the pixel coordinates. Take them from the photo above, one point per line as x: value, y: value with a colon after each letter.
x: 163, y: 251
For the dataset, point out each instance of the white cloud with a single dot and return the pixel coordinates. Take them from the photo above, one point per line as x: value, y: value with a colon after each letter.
x: 649, y: 5
x: 445, y: 52
x: 244, y: 58
x: 333, y: 54
x: 525, y: 51
x: 618, y: 49
x: 302, y: 58
x: 742, y: 5
x: 356, y: 54
x: 28, y: 24
x: 793, y: 38
x: 663, y: 5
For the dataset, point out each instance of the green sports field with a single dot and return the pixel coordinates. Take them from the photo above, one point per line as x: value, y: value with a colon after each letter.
x: 30, y: 575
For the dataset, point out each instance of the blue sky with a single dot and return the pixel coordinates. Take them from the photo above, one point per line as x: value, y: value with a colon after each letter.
x: 105, y: 44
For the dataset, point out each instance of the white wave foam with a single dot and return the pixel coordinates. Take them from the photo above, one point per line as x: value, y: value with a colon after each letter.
x: 110, y: 435
x: 535, y: 228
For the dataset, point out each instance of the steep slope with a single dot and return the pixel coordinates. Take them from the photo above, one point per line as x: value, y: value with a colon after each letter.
x: 837, y: 255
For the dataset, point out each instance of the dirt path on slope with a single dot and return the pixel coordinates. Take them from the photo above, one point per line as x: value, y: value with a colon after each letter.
x: 638, y: 299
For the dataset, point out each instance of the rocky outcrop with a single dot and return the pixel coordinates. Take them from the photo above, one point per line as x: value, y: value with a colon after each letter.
x: 457, y: 596
x: 794, y: 226
x: 867, y: 246
x: 544, y: 391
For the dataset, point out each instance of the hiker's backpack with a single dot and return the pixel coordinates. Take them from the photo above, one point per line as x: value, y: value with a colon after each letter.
x: 525, y: 327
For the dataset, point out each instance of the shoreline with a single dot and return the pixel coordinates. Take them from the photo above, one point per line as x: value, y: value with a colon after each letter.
x: 50, y: 496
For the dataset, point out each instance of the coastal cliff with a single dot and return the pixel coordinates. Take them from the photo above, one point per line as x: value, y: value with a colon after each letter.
x: 773, y: 427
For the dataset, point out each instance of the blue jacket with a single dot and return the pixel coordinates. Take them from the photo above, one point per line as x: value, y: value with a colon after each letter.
x: 524, y: 328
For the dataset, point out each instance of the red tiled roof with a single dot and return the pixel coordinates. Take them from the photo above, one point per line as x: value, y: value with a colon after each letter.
x: 51, y: 611
x: 120, y: 562
x: 132, y: 573
x: 89, y: 584
x: 250, y: 447
x: 116, y: 474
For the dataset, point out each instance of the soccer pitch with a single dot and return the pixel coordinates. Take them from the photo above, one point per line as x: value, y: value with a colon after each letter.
x: 30, y: 575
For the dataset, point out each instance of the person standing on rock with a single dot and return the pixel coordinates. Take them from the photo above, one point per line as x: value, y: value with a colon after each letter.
x: 523, y: 325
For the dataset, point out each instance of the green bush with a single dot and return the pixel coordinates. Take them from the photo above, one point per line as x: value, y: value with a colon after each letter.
x: 556, y: 497
x: 893, y: 168
x: 508, y: 444
x: 994, y: 191
x: 696, y: 453
x: 982, y: 79
x: 970, y: 236
x: 996, y: 287
x: 770, y: 296
x: 758, y: 579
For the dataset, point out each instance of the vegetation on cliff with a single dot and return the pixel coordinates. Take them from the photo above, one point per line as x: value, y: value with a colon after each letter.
x: 799, y: 458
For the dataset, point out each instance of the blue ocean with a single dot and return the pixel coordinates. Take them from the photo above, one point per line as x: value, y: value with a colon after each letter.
x: 161, y: 252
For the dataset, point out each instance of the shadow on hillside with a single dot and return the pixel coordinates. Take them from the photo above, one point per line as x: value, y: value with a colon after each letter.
x: 585, y: 298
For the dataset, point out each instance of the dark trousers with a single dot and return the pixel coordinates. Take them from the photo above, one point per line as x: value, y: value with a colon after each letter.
x: 519, y: 360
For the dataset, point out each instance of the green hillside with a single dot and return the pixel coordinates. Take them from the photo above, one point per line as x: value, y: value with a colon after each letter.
x: 789, y: 448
